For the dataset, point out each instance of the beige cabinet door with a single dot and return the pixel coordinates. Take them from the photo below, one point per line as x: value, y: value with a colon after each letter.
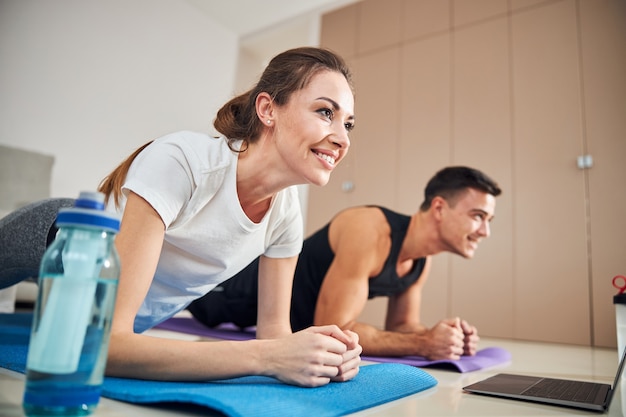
x: 551, y: 266
x: 603, y: 46
x: 481, y: 289
x: 425, y: 147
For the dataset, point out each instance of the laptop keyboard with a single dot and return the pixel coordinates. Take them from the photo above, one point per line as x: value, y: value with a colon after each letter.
x: 564, y: 390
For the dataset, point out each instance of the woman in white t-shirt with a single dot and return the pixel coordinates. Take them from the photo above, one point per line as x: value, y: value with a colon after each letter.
x: 198, y: 209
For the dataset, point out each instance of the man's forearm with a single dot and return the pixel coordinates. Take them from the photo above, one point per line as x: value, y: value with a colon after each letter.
x: 443, y: 341
x: 376, y: 342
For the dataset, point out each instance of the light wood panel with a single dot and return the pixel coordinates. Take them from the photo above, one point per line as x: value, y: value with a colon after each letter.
x: 425, y: 18
x: 379, y: 24
x: 425, y: 140
x: 551, y: 266
x: 603, y: 36
x: 339, y: 31
x: 375, y: 143
x: 482, y: 139
x: 467, y: 12
x: 522, y: 4
x: 425, y: 134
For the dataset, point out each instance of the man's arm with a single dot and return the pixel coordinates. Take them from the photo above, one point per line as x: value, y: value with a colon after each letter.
x: 360, y: 253
x: 403, y: 309
x: 445, y: 340
x: 359, y: 238
x: 405, y: 335
x: 342, y: 299
x: 403, y: 315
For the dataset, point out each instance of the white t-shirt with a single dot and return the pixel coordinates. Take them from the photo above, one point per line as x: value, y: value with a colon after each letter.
x: 190, y: 180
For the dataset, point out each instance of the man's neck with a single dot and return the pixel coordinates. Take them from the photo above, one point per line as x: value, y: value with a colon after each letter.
x: 421, y: 238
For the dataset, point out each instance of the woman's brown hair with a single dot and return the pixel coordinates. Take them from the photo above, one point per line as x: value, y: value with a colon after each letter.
x: 287, y: 72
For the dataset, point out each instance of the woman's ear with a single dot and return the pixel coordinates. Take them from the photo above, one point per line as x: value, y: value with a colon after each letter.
x: 265, y: 108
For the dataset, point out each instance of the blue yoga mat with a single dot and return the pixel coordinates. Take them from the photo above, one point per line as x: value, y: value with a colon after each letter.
x: 247, y: 396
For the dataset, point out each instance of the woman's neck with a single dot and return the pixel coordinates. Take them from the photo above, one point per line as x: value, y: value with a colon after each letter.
x: 255, y: 184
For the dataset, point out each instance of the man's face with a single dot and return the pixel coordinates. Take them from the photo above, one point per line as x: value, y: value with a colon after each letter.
x: 464, y: 223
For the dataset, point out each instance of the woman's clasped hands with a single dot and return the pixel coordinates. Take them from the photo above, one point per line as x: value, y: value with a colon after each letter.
x: 315, y: 356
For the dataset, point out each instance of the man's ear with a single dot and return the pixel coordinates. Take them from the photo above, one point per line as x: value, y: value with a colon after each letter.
x: 265, y: 108
x: 437, y: 205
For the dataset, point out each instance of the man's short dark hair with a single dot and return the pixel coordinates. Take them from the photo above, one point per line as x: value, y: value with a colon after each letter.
x: 450, y: 181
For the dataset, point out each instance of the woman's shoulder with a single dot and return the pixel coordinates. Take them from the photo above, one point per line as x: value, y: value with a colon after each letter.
x: 198, y: 149
x: 191, y: 139
x: 285, y: 201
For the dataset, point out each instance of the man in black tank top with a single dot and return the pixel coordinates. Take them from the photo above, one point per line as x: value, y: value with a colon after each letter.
x: 345, y: 263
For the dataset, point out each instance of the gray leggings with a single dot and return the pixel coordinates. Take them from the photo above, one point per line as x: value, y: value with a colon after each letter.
x: 24, y: 236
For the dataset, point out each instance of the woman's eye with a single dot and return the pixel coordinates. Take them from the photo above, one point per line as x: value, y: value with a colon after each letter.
x: 327, y: 113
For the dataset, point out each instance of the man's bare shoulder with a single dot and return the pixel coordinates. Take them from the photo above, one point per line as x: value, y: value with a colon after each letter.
x: 362, y: 223
x: 361, y: 233
x: 374, y: 215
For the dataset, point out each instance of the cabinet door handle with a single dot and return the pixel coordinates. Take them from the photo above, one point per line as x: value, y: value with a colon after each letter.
x: 585, y: 162
x: 347, y: 186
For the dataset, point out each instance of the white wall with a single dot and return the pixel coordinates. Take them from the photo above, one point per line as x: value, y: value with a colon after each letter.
x: 89, y: 81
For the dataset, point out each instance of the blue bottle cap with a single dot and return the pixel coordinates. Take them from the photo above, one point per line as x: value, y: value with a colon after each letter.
x: 90, y: 200
x: 88, y: 210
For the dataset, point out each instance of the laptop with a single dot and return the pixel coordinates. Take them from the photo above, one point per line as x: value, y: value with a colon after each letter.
x: 555, y: 391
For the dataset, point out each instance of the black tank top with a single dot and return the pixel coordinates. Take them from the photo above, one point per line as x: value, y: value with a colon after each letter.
x: 317, y: 256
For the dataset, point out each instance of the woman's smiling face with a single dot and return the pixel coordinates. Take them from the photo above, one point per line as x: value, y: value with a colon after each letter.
x: 311, y: 130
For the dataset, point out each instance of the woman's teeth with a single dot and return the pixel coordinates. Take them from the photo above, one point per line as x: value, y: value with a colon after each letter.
x: 327, y: 158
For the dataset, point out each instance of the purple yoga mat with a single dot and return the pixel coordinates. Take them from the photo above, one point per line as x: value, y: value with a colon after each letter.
x: 192, y: 326
x: 484, y: 358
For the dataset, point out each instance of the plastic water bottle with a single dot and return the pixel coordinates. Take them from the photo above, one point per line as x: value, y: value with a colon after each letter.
x: 73, y: 312
x: 620, y: 321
